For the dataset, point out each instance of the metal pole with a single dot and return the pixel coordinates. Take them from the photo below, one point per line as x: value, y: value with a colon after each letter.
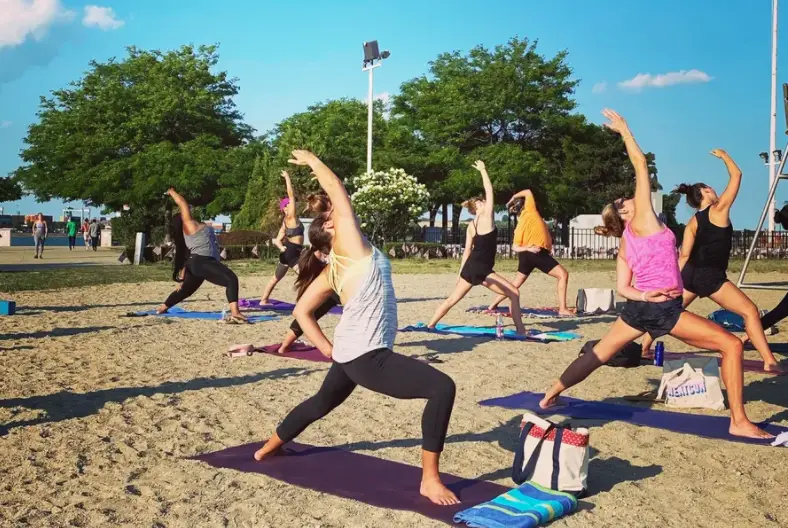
x: 773, y: 128
x: 369, y: 119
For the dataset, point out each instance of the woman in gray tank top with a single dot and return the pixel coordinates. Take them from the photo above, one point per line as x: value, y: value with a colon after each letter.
x: 289, y: 240
x: 362, y: 349
x: 197, y: 259
x: 40, y: 232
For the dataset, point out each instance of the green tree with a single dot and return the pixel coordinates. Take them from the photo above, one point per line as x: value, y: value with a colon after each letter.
x: 9, y: 190
x: 130, y: 129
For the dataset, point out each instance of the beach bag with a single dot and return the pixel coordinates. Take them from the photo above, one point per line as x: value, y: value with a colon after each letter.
x: 693, y: 384
x: 595, y: 301
x: 628, y: 357
x: 551, y: 455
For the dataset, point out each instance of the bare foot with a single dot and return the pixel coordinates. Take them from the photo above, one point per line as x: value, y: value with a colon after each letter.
x: 283, y: 349
x: 264, y: 301
x: 748, y: 429
x: 271, y: 448
x: 775, y: 368
x: 161, y: 309
x: 546, y: 402
x: 239, y: 315
x: 566, y: 312
x: 434, y: 490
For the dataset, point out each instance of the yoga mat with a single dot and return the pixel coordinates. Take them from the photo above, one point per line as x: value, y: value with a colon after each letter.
x: 677, y: 422
x: 536, y: 313
x: 296, y: 351
x: 489, y: 331
x: 177, y: 311
x: 748, y: 365
x: 277, y: 306
x: 363, y: 478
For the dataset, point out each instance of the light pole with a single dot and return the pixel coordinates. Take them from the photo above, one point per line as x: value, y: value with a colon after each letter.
x: 773, y: 162
x: 372, y: 59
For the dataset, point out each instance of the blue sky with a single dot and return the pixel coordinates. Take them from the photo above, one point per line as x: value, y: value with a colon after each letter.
x: 707, y: 86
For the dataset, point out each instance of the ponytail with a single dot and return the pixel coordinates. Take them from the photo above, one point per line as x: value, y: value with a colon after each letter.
x: 181, y: 251
x: 613, y: 223
x: 309, y: 265
x: 693, y: 193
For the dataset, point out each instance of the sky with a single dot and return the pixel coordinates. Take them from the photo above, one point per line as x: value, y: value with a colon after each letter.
x: 688, y: 76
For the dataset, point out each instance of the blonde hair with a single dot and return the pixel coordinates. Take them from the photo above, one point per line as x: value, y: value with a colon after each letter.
x: 318, y: 203
x: 613, y: 223
x: 470, y: 204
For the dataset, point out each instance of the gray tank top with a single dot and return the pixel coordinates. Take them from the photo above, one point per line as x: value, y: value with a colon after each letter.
x: 40, y: 228
x: 369, y: 318
x: 203, y: 242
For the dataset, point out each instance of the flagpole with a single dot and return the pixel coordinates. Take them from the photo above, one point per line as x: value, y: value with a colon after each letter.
x: 773, y: 163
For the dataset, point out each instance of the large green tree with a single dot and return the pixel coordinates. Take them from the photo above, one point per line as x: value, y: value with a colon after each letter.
x: 9, y: 190
x: 129, y: 129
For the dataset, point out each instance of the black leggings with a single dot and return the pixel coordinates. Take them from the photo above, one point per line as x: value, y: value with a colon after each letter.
x: 322, y: 310
x: 388, y: 373
x: 777, y: 314
x: 200, y: 269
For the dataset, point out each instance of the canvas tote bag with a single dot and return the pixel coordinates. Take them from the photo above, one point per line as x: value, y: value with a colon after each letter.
x: 693, y: 384
x: 596, y: 301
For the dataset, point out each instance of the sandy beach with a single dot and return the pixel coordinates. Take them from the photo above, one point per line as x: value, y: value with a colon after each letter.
x: 99, y: 414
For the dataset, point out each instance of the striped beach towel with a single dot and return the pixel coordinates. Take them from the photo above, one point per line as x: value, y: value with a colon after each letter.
x: 525, y: 507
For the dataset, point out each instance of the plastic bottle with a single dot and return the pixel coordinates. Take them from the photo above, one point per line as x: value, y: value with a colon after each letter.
x: 499, y: 327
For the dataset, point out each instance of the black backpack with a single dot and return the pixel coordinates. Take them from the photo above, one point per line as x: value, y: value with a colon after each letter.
x: 630, y: 356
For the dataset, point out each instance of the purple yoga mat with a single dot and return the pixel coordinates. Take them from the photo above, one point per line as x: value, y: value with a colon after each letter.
x: 677, y: 422
x: 297, y: 351
x: 363, y: 478
x: 277, y: 306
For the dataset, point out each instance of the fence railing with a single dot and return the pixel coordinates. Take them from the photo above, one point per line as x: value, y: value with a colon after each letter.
x: 575, y: 243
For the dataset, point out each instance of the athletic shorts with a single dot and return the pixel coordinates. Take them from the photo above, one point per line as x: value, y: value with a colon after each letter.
x: 475, y: 271
x: 289, y: 257
x: 656, y: 319
x: 543, y: 261
x: 703, y: 282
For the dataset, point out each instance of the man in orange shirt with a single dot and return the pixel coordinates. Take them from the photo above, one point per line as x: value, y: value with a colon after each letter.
x: 533, y: 243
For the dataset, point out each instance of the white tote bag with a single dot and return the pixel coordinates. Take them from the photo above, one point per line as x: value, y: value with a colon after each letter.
x: 693, y: 385
x: 553, y: 456
x: 595, y: 301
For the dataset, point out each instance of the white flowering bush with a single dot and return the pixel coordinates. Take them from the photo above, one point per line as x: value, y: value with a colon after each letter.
x: 388, y: 202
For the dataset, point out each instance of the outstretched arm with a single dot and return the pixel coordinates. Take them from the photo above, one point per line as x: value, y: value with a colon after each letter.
x: 734, y: 182
x: 189, y: 225
x: 315, y: 295
x: 488, y: 188
x: 290, y: 210
x: 527, y: 194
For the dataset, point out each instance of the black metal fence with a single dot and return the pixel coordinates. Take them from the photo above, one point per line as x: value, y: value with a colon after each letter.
x: 576, y: 243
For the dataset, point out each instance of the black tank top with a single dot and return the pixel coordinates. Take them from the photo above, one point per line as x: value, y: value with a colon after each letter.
x: 484, y: 247
x: 712, y: 247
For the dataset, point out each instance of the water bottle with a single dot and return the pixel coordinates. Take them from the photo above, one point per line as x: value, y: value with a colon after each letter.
x: 499, y: 327
x: 659, y: 354
x: 224, y: 313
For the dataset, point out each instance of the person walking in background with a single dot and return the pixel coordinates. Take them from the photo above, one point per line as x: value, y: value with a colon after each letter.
x: 71, y: 231
x: 86, y: 233
x: 40, y: 231
x: 95, y: 234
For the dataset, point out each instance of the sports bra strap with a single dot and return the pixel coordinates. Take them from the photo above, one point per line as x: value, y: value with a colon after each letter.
x: 350, y: 267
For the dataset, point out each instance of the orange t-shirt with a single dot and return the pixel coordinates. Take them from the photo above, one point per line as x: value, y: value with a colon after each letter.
x: 531, y: 229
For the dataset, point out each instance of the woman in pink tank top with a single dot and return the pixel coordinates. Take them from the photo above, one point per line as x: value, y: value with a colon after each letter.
x: 648, y: 276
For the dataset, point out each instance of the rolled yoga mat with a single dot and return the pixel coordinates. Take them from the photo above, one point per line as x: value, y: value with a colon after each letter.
x: 363, y: 478
x: 489, y: 331
x: 677, y: 422
x: 177, y: 311
x: 277, y: 306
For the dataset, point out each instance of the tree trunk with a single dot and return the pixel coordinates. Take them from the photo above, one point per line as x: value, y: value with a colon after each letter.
x: 456, y: 211
x: 445, y: 219
x: 433, y: 214
x: 565, y: 231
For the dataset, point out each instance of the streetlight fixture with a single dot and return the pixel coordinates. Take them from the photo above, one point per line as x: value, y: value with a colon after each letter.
x: 372, y: 59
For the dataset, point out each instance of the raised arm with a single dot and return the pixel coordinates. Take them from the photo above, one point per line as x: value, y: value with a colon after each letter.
x: 314, y: 296
x: 527, y: 194
x: 290, y: 210
x: 189, y: 225
x: 488, y: 188
x: 688, y: 241
x: 645, y: 217
x: 734, y: 182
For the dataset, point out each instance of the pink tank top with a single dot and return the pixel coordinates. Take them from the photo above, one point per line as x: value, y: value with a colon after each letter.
x: 653, y: 260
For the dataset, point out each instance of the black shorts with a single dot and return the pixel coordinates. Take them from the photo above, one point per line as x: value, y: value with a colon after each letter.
x: 543, y: 261
x: 703, y: 282
x: 475, y: 272
x: 656, y: 319
x: 289, y: 257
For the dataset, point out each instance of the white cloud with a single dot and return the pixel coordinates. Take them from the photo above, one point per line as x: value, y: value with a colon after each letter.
x: 5, y: 124
x: 599, y: 88
x: 101, y: 17
x: 646, y: 80
x: 385, y: 97
x: 21, y: 19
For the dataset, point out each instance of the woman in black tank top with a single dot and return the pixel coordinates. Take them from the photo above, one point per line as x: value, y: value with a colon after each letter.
x: 478, y: 259
x: 705, y: 252
x: 289, y: 240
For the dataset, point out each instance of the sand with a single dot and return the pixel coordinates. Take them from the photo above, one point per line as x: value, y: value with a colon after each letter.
x: 99, y: 414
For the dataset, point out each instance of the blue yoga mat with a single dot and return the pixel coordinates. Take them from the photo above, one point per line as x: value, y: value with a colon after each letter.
x: 489, y: 331
x: 177, y: 311
x: 694, y: 424
x: 537, y: 313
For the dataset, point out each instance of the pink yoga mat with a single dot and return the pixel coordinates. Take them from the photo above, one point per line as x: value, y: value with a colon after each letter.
x: 297, y: 351
x: 354, y: 476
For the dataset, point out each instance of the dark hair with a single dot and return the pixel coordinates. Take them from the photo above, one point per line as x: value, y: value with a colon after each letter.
x: 318, y: 203
x: 309, y: 266
x: 781, y: 216
x: 693, y: 192
x: 517, y: 206
x: 181, y: 251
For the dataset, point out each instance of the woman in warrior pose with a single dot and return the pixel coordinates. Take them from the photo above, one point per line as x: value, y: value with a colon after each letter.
x: 705, y: 251
x: 197, y: 260
x: 289, y: 240
x: 654, y: 305
x: 478, y: 259
x: 363, y: 340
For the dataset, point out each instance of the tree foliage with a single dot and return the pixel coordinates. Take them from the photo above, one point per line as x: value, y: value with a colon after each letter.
x: 9, y: 190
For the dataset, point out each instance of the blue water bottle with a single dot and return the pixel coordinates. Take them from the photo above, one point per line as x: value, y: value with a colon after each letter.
x: 659, y: 354
x: 499, y: 327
